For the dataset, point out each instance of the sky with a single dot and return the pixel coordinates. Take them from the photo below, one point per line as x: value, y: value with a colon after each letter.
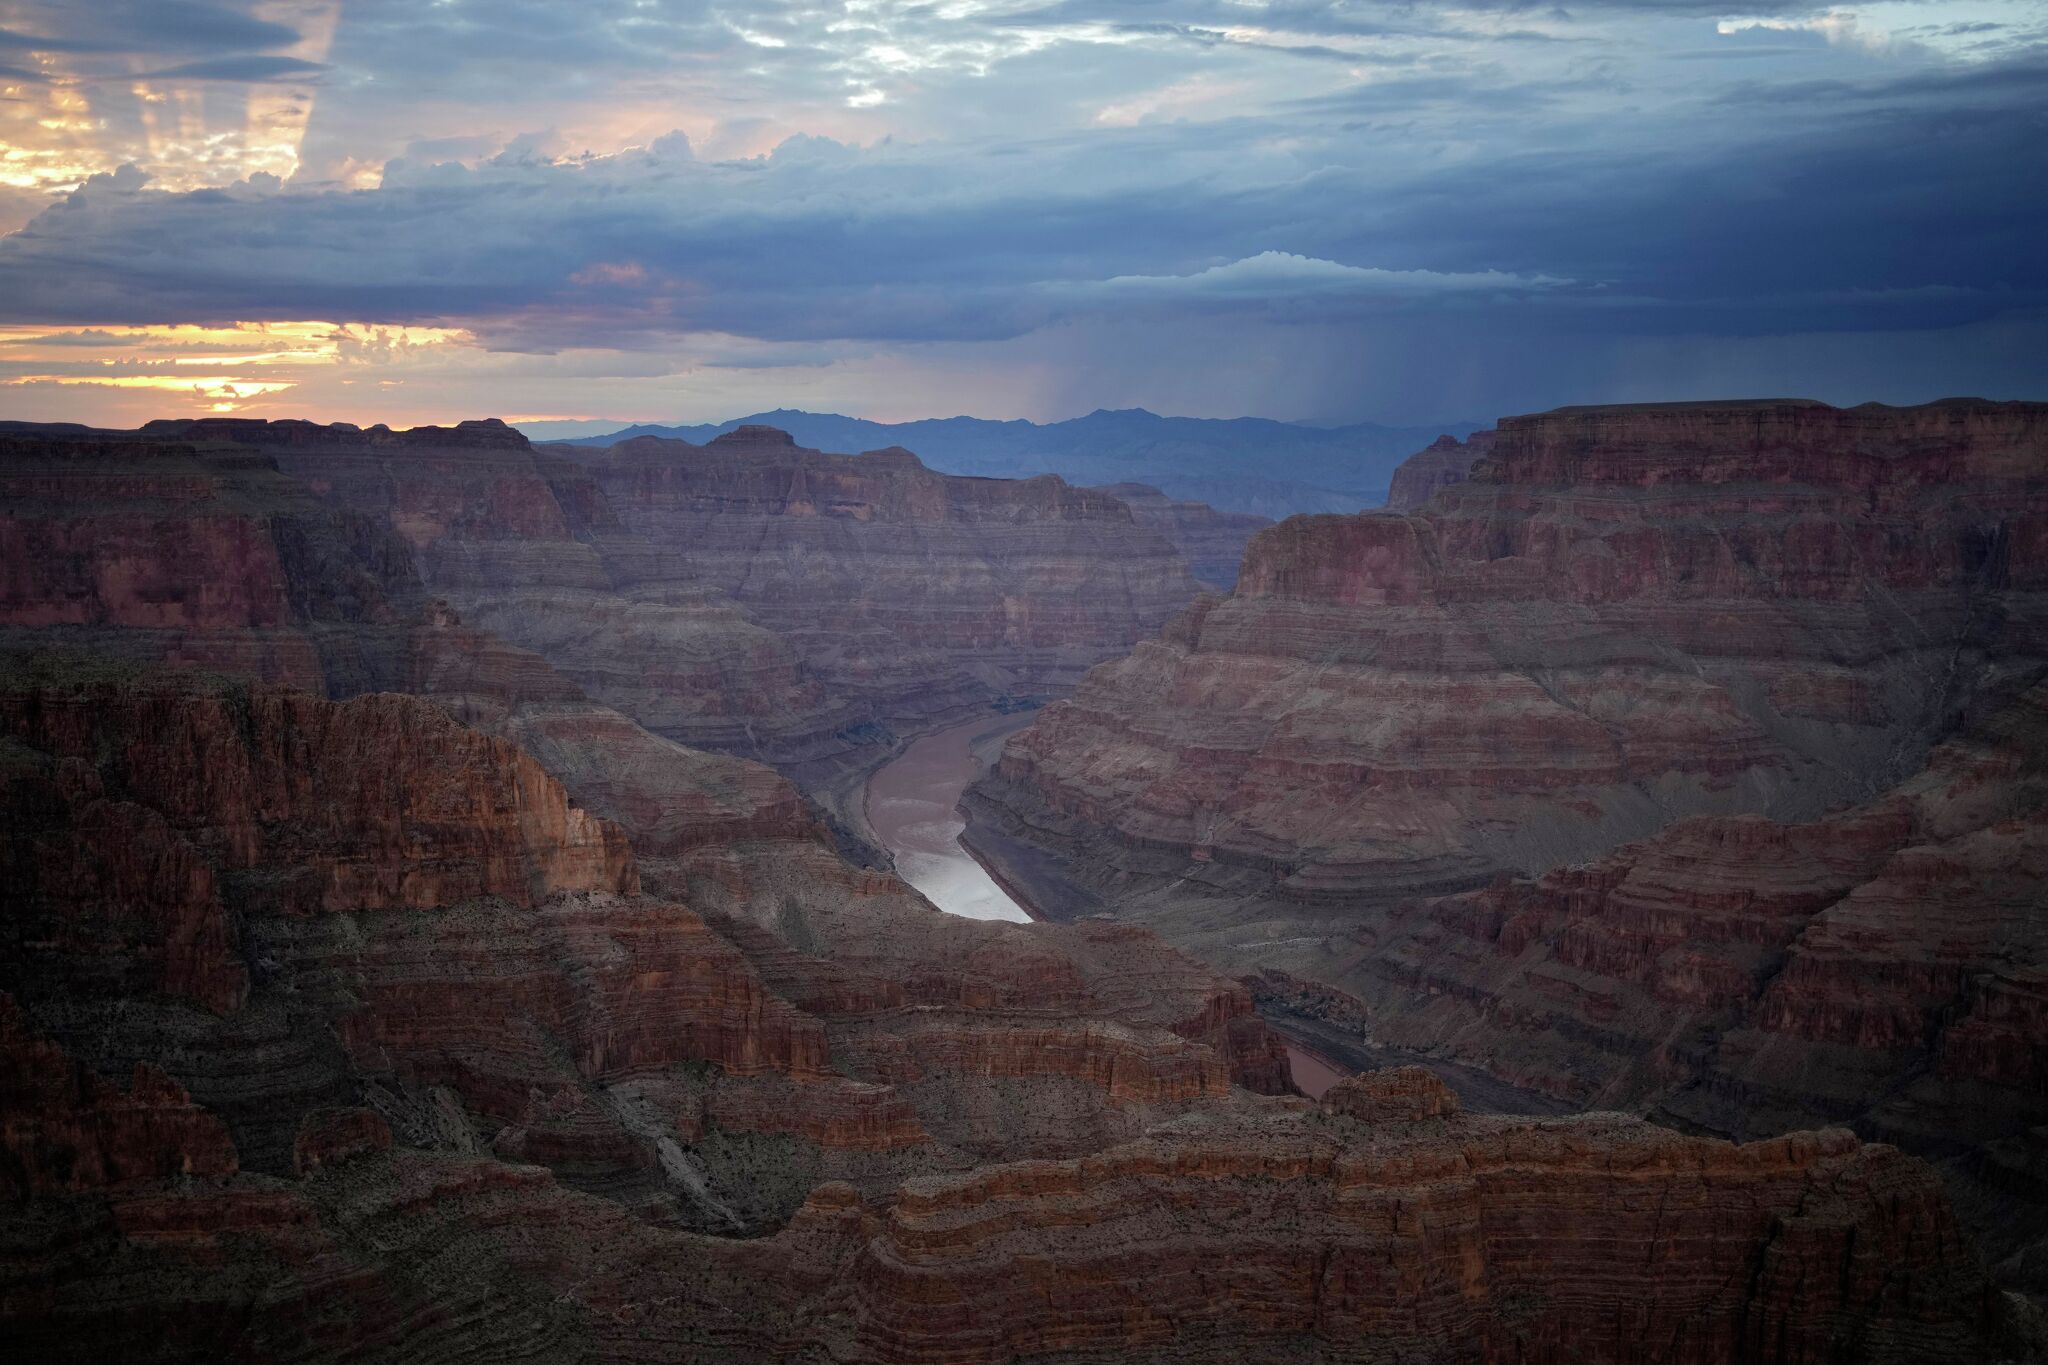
x: 1319, y: 210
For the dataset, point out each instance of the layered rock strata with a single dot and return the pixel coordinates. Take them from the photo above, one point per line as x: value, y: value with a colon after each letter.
x: 747, y: 596
x: 904, y: 593
x: 339, y: 1031
x: 181, y: 545
x: 1211, y: 541
x: 1627, y: 616
x: 1274, y: 1230
x: 1443, y: 463
x: 292, y: 907
x: 1393, y: 779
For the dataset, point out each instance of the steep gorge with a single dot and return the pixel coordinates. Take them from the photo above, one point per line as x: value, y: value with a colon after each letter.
x: 486, y: 1022
x: 526, y: 1108
x: 1685, y: 759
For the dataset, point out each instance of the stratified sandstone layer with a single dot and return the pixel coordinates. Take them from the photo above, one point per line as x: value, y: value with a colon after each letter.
x: 1212, y: 542
x: 1443, y: 463
x: 293, y: 906
x: 1409, y: 1232
x: 905, y: 593
x: 1629, y: 615
x: 181, y: 545
x: 746, y: 596
x: 1393, y: 778
x: 1382, y: 1225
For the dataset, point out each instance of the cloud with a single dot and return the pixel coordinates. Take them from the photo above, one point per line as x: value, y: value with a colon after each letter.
x: 159, y: 26
x: 810, y: 180
x: 253, y: 68
x: 1281, y: 277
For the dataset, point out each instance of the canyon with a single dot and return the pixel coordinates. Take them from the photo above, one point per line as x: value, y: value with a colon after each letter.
x: 1685, y: 760
x: 490, y: 1089
x: 466, y: 900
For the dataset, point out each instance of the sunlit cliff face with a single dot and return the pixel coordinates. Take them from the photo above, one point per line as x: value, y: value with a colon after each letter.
x: 1309, y: 208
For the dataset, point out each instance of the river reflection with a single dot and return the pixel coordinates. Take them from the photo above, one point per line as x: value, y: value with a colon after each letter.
x: 910, y: 807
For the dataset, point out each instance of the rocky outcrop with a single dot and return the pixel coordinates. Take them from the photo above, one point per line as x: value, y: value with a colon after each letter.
x: 109, y: 546
x: 1786, y: 649
x: 1340, y: 1238
x: 1627, y: 616
x: 1212, y: 542
x: 532, y: 1116
x: 669, y: 799
x: 903, y: 592
x: 1441, y: 464
x: 66, y: 1130
x: 1401, y: 1094
x: 380, y: 802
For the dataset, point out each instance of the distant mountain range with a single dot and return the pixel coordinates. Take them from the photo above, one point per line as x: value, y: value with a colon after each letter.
x: 1239, y: 464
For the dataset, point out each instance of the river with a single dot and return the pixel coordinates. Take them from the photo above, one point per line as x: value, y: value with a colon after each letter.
x: 910, y: 807
x: 1313, y: 1076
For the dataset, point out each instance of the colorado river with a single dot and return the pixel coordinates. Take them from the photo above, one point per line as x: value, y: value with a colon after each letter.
x: 1312, y: 1074
x: 910, y: 808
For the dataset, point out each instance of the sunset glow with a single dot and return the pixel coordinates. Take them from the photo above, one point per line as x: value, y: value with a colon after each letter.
x: 247, y: 366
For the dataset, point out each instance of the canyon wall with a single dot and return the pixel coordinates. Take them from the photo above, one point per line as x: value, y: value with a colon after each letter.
x: 1441, y: 464
x: 1211, y: 541
x: 1627, y: 616
x: 745, y: 596
x: 181, y: 545
x: 286, y: 906
x: 1686, y: 759
x: 342, y: 1028
x: 905, y: 594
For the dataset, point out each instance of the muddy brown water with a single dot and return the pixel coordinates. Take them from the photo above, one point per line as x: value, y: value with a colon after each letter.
x: 910, y: 808
x: 1313, y: 1076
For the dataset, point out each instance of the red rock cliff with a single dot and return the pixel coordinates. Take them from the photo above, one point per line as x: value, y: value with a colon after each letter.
x: 1627, y: 615
x: 1718, y: 716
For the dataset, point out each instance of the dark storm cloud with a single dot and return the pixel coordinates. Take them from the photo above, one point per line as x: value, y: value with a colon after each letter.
x: 160, y: 26
x: 251, y: 68
x: 1509, y: 190
x: 1913, y: 202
